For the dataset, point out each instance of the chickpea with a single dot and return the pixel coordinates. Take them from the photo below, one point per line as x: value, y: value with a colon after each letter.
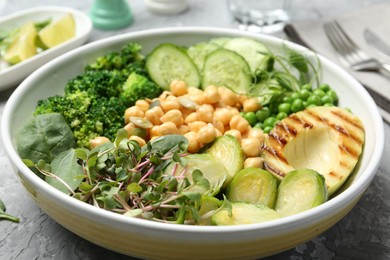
x: 193, y: 145
x: 223, y: 115
x: 239, y: 123
x: 251, y: 105
x: 218, y: 125
x: 133, y: 111
x: 206, y: 134
x: 170, y: 105
x: 196, y: 126
x: 129, y: 127
x: 178, y: 87
x: 210, y: 95
x: 138, y: 139
x: 228, y: 97
x: 205, y: 113
x: 167, y: 128
x: 251, y: 147
x: 235, y: 133
x: 257, y: 133
x: 196, y: 95
x: 163, y: 96
x: 173, y: 116
x: 242, y: 98
x: 191, y: 118
x: 183, y: 129
x: 256, y: 162
x: 153, y: 132
x: 97, y: 141
x: 154, y: 115
x: 142, y: 105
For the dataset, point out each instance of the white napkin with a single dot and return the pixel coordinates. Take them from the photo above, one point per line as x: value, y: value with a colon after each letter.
x: 377, y: 18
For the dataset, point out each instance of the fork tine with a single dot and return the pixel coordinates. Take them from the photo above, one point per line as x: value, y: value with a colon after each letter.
x: 343, y: 44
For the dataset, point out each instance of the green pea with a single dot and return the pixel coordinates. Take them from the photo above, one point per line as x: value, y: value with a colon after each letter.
x: 297, y: 105
x: 285, y: 107
x: 314, y: 100
x: 304, y: 94
x: 251, y: 118
x: 324, y: 87
x: 307, y: 87
x: 333, y: 94
x: 319, y: 92
x: 287, y: 99
x: 263, y: 114
x: 281, y: 115
x: 270, y: 121
x: 267, y: 129
x: 295, y: 95
x: 258, y: 125
x: 327, y: 99
x: 328, y: 105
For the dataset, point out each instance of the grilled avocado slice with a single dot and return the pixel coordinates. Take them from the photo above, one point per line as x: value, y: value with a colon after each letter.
x: 328, y: 140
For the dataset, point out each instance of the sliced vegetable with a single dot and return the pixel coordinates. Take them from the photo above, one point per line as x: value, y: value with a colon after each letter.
x: 326, y: 139
x: 211, y: 168
x: 244, y: 213
x: 227, y: 68
x: 209, y: 204
x: 228, y: 150
x: 253, y: 185
x: 168, y: 62
x: 299, y: 191
x: 198, y: 52
x: 254, y: 52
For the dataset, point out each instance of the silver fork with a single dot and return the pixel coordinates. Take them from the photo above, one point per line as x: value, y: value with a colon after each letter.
x: 350, y: 53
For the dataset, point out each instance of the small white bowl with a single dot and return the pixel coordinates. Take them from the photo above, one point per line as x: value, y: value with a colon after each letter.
x: 154, y: 240
x: 12, y: 75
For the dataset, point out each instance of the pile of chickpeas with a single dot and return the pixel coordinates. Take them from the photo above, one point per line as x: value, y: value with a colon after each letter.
x: 200, y: 116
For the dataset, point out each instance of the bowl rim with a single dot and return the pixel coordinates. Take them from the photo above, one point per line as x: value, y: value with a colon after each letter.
x: 86, y: 29
x: 275, y: 226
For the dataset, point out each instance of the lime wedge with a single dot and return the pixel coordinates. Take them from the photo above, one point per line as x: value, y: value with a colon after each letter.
x: 22, y: 46
x: 58, y: 31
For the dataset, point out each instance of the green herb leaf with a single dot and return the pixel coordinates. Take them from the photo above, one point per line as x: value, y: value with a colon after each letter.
x: 5, y: 216
x: 67, y: 174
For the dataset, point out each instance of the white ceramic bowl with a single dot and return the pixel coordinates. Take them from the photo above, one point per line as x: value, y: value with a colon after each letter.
x: 13, y: 75
x: 152, y: 240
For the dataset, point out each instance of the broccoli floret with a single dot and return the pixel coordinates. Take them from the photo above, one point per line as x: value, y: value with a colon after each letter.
x: 138, y: 87
x: 96, y: 84
x: 104, y: 118
x: 128, y: 60
x: 95, y: 101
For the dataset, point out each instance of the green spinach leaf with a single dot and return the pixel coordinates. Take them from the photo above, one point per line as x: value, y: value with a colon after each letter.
x: 44, y: 137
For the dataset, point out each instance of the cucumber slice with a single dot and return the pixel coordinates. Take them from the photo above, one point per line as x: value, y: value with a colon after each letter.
x: 168, y: 62
x: 198, y: 52
x: 226, y: 68
x: 251, y: 50
x: 244, y: 213
x: 253, y: 185
x: 221, y: 41
x: 211, y: 168
x: 229, y: 151
x: 300, y: 190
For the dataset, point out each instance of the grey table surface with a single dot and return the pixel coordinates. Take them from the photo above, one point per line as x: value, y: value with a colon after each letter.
x: 363, y: 234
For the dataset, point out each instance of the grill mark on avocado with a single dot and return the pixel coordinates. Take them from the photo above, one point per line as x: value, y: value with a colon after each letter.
x: 274, y: 170
x: 349, y: 151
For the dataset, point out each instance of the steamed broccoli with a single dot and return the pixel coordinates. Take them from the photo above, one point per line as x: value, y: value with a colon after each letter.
x: 137, y: 87
x: 95, y: 101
